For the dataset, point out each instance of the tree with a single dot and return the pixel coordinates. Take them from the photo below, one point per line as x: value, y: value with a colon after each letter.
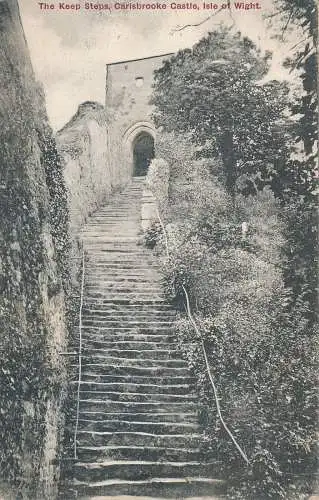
x: 297, y: 177
x: 215, y: 91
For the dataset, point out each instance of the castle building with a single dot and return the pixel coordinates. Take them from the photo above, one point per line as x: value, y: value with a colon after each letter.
x: 131, y: 132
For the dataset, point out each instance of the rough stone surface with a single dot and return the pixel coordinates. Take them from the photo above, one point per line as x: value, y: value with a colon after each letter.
x: 128, y: 112
x: 33, y: 330
x: 89, y: 178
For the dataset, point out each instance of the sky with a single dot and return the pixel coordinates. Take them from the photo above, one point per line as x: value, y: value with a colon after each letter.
x: 70, y: 49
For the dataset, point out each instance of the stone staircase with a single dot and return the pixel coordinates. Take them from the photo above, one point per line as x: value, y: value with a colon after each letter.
x: 138, y: 428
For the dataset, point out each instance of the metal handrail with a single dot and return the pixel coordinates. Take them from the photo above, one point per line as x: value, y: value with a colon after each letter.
x: 79, y: 357
x: 191, y: 318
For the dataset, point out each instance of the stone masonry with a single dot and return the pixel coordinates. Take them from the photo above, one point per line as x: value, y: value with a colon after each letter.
x: 128, y: 112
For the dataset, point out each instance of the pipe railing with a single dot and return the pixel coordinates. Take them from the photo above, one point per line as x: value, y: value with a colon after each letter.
x: 79, y: 357
x: 209, y: 373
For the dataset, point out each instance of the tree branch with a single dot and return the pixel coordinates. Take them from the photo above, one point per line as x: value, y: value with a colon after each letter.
x: 277, y: 13
x: 195, y: 25
x: 287, y: 23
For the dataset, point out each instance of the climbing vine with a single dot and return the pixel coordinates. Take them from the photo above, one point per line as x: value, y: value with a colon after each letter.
x: 33, y: 236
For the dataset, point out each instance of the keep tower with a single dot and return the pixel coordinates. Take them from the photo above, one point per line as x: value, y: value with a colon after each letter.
x: 131, y: 132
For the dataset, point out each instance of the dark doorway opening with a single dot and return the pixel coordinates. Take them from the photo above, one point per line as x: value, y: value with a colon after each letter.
x: 143, y: 153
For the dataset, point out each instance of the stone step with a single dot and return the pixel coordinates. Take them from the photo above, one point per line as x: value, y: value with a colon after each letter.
x: 105, y: 230
x: 124, y: 267
x: 122, y: 263
x: 111, y: 229
x: 127, y: 210
x: 145, y: 307
x: 156, y: 364
x: 148, y: 329
x: 128, y: 217
x: 134, y: 354
x: 121, y: 297
x: 110, y: 254
x: 131, y: 371
x: 114, y: 224
x: 110, y: 244
x: 117, y: 215
x: 117, y: 333
x: 122, y: 322
x: 143, y: 453
x: 97, y: 404
x: 135, y: 397
x: 130, y: 387
x: 139, y: 316
x: 104, y: 224
x: 113, y: 314
x: 128, y: 311
x: 112, y: 248
x: 137, y: 299
x: 122, y: 274
x: 126, y: 203
x: 183, y: 421
x: 121, y: 338
x: 104, y: 237
x: 90, y: 320
x: 139, y: 426
x: 117, y: 226
x: 120, y: 266
x: 194, y: 488
x: 98, y: 229
x: 138, y: 469
x: 152, y: 317
x: 88, y: 376
x: 107, y: 260
x: 134, y: 251
x: 127, y: 438
x: 101, y: 267
x: 107, y: 234
x: 89, y: 343
x: 111, y: 280
x: 108, y: 277
x: 121, y: 236
x: 127, y: 289
x: 91, y: 335
x: 95, y: 225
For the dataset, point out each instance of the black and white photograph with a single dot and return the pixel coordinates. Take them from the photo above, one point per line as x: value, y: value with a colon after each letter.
x: 158, y: 250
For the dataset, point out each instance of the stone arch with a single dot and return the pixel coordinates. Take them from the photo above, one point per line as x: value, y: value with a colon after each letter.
x: 143, y: 153
x: 130, y: 136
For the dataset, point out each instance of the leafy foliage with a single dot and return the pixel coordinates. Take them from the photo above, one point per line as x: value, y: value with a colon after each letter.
x: 254, y: 297
x: 298, y: 176
x: 152, y: 235
x: 33, y: 213
x: 254, y: 345
x: 211, y: 93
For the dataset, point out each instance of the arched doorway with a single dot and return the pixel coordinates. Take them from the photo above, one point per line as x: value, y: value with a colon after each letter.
x: 143, y: 153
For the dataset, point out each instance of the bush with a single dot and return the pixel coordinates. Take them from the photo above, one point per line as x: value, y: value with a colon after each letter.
x: 261, y: 356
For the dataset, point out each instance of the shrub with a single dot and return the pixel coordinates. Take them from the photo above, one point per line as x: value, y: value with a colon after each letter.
x: 152, y: 235
x: 261, y: 356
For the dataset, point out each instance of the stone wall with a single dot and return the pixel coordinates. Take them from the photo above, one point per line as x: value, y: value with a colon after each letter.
x: 33, y: 239
x: 89, y: 176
